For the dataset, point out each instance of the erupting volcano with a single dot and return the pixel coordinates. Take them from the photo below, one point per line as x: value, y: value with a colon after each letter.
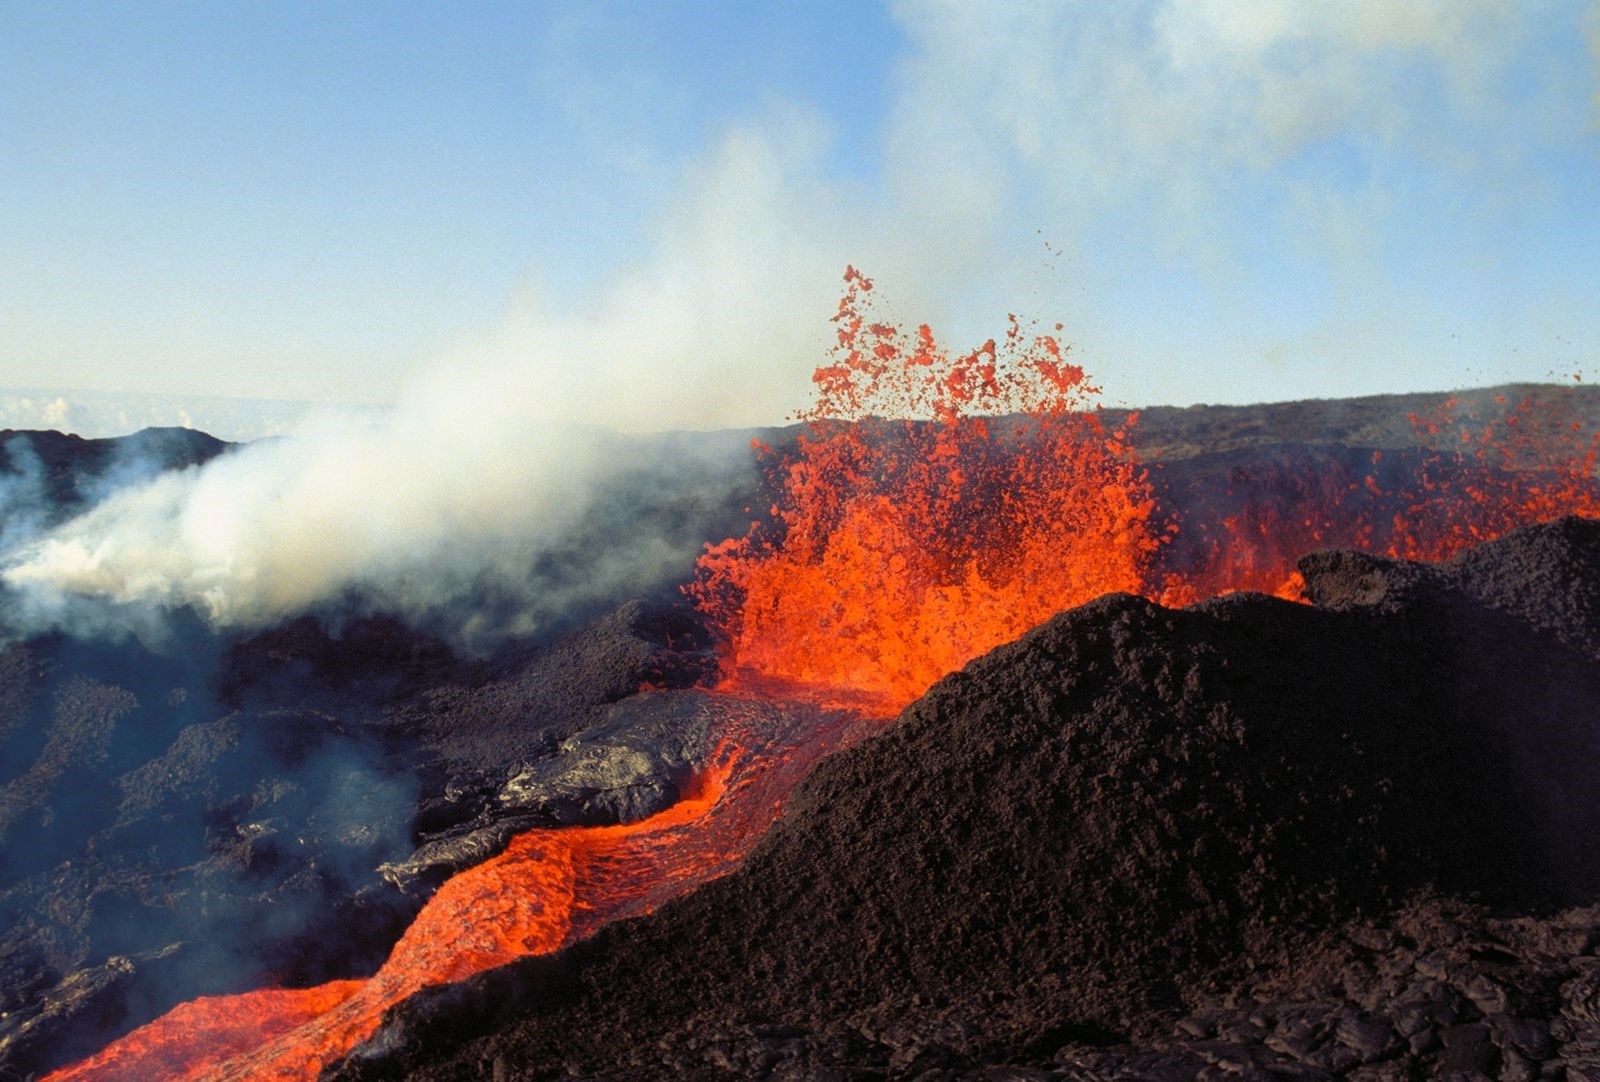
x: 787, y: 542
x: 938, y: 504
x: 935, y: 505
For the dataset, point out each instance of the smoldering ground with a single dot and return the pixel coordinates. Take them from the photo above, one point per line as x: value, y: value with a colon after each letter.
x: 198, y: 795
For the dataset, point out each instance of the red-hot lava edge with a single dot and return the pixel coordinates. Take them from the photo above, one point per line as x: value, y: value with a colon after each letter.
x: 937, y: 505
x: 549, y: 888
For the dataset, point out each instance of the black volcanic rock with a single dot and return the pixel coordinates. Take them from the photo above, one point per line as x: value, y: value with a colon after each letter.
x: 1103, y: 827
x: 1546, y: 579
x: 369, y: 662
x: 71, y: 471
x: 221, y: 811
x: 1171, y: 433
x: 628, y: 766
x: 1436, y: 989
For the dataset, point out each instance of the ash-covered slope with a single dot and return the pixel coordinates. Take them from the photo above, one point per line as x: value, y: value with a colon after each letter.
x: 1373, y: 421
x: 1106, y: 825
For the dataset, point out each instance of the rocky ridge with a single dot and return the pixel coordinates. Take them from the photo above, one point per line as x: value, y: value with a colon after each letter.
x: 1244, y: 836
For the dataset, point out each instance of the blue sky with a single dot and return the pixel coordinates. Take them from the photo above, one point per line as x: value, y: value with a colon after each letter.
x: 649, y: 205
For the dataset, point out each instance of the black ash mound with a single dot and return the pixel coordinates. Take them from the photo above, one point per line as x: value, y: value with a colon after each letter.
x: 1110, y: 823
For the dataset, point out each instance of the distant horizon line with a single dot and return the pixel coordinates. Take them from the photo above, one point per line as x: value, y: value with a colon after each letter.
x: 116, y: 414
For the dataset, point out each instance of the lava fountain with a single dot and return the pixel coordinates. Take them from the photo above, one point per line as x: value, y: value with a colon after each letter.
x: 937, y: 505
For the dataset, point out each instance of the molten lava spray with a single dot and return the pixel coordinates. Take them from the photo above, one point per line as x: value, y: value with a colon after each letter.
x: 937, y: 506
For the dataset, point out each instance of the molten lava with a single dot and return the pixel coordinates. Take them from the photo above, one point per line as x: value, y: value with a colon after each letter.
x: 937, y: 506
x: 1470, y: 479
x: 549, y: 888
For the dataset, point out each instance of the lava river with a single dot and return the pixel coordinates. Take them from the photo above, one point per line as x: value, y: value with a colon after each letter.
x: 549, y: 888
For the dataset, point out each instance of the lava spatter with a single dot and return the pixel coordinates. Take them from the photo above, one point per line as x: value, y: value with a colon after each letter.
x: 937, y: 505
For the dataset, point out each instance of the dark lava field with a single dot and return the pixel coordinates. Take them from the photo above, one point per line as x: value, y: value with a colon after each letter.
x: 1358, y: 837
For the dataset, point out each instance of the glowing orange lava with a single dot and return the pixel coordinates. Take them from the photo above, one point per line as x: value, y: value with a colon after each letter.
x: 549, y: 888
x: 937, y: 506
x: 1469, y: 480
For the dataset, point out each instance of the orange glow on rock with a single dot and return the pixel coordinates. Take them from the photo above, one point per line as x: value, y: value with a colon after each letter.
x: 549, y: 888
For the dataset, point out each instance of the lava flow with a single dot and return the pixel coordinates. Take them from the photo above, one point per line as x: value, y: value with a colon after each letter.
x: 1468, y: 479
x: 549, y: 888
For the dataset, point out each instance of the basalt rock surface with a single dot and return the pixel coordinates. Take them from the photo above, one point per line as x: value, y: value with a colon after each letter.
x: 222, y: 812
x: 1247, y: 836
x: 57, y: 474
x: 1437, y: 989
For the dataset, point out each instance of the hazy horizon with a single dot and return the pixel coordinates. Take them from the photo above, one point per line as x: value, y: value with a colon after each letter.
x: 109, y: 414
x: 641, y: 216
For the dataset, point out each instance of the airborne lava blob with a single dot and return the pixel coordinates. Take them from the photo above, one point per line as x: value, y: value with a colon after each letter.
x: 938, y: 506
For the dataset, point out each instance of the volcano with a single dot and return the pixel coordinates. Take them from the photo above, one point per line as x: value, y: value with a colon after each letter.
x: 902, y: 776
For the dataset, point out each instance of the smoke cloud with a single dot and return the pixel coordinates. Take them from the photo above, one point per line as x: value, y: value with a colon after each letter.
x: 455, y: 493
x: 1156, y: 120
x: 24, y: 501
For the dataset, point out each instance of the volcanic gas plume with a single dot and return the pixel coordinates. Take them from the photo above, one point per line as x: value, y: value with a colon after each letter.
x: 936, y: 505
